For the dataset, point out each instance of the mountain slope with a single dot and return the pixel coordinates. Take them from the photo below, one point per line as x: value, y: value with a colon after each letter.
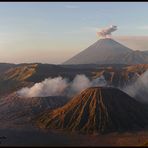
x: 136, y: 57
x: 108, y: 51
x: 123, y: 76
x: 38, y: 72
x: 20, y: 72
x: 5, y: 66
x: 98, y: 110
x: 16, y: 110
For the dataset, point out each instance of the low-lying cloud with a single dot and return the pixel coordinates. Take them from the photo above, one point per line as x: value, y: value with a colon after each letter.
x: 139, y: 89
x: 60, y: 86
x: 45, y: 88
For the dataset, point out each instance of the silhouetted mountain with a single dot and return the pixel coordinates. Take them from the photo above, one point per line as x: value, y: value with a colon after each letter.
x: 108, y: 51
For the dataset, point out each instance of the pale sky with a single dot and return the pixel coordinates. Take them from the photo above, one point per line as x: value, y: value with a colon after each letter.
x: 52, y: 32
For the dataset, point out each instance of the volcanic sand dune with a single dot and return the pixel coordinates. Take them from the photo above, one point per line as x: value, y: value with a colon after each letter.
x: 98, y: 110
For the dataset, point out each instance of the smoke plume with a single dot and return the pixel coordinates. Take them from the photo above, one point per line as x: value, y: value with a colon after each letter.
x: 139, y: 89
x: 106, y: 32
x: 79, y: 83
x: 48, y: 87
x: 60, y: 86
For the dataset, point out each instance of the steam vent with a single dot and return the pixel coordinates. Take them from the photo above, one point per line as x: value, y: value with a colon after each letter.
x: 98, y: 110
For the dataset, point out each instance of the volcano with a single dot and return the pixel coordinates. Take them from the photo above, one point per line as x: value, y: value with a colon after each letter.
x: 108, y: 51
x: 19, y: 111
x: 98, y: 110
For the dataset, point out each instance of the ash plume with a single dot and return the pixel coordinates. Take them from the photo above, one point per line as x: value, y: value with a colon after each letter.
x: 48, y: 87
x: 59, y: 86
x: 106, y: 32
x: 79, y: 83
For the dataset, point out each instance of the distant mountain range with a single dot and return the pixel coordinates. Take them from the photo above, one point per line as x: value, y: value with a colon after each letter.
x: 108, y: 51
x: 21, y: 75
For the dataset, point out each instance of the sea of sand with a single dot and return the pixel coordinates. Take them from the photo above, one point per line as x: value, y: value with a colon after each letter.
x: 31, y: 136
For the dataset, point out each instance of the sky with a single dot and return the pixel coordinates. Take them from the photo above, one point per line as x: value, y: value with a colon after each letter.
x: 52, y: 32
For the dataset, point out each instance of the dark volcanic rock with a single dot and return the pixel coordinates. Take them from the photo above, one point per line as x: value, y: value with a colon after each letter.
x: 98, y: 110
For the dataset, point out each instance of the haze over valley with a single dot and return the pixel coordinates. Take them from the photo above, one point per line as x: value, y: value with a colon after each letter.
x: 73, y: 74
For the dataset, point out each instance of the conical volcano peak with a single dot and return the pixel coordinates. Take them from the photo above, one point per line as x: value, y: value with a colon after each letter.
x: 103, y: 51
x: 108, y: 51
x: 96, y: 89
x: 111, y: 42
x: 98, y: 110
x: 97, y: 93
x: 107, y: 40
